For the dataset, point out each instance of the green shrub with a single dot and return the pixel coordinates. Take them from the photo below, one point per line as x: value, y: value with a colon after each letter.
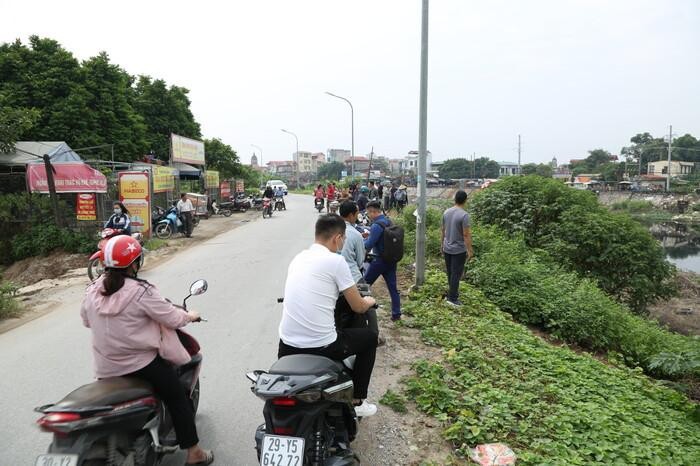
x: 530, y: 286
x: 612, y: 249
x: 395, y: 401
x: 633, y: 206
x: 8, y: 305
x: 42, y: 239
x: 496, y: 382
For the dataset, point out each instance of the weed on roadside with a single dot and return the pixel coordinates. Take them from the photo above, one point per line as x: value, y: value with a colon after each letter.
x: 395, y: 401
x: 9, y: 307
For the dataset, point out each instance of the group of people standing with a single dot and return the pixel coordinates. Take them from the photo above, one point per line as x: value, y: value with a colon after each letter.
x: 389, y: 196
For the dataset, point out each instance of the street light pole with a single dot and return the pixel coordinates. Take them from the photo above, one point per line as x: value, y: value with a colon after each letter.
x: 261, y: 163
x: 352, y: 133
x: 297, y: 163
x: 422, y: 150
x: 668, y: 167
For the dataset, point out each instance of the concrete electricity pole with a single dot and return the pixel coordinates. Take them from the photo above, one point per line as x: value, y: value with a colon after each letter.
x: 520, y: 171
x: 422, y: 150
x: 668, y: 167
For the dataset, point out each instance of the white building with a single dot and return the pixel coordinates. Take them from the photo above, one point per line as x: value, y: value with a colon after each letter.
x: 677, y: 168
x: 410, y: 162
x: 339, y: 155
x: 304, y: 161
x: 508, y: 169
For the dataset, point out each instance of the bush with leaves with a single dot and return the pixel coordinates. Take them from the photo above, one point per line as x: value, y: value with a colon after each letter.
x: 536, y: 291
x: 612, y: 249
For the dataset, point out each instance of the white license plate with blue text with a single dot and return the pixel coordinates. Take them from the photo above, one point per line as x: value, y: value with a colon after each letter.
x: 56, y: 460
x: 278, y: 450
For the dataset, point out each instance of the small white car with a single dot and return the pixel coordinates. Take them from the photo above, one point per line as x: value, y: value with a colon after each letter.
x: 278, y: 183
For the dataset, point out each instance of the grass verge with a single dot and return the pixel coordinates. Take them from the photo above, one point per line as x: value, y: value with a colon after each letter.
x: 9, y: 307
x: 499, y: 382
x: 154, y: 244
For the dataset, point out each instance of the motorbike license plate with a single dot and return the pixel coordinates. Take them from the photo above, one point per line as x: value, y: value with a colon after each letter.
x: 282, y: 451
x: 57, y: 460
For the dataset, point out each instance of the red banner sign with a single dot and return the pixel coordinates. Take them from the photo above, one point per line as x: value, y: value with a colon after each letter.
x: 225, y: 188
x: 240, y: 186
x: 68, y: 178
x: 86, y: 206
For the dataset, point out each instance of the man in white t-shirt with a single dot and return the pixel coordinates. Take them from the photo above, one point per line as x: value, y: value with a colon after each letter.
x: 315, y: 279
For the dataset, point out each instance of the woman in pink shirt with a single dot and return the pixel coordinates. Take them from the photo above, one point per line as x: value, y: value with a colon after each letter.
x: 125, y: 315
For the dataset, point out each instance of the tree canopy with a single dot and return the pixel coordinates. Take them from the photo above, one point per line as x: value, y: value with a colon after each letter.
x: 483, y: 167
x: 331, y: 171
x: 87, y: 104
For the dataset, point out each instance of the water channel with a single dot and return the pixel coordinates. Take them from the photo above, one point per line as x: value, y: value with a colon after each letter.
x: 681, y: 243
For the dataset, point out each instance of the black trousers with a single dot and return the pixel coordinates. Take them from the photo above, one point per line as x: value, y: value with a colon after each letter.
x: 358, y: 337
x: 187, y: 220
x: 162, y: 376
x: 455, y: 269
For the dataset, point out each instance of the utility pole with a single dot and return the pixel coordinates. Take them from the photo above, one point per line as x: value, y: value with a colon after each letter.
x: 422, y: 150
x: 668, y: 167
x: 474, y: 166
x: 520, y: 172
x: 369, y: 169
x: 52, y: 189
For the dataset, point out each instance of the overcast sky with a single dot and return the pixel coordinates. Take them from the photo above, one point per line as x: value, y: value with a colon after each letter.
x: 569, y: 75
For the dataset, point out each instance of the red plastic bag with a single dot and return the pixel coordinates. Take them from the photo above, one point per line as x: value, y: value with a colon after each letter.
x: 492, y: 454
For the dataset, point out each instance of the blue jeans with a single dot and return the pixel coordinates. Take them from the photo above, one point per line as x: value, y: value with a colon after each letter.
x: 387, y: 270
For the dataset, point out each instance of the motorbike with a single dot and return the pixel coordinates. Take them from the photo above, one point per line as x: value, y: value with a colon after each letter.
x: 118, y: 420
x: 256, y: 202
x: 318, y: 204
x: 95, y: 266
x: 333, y: 207
x: 267, y: 207
x: 221, y: 209
x: 279, y: 203
x: 309, y: 415
x: 172, y: 223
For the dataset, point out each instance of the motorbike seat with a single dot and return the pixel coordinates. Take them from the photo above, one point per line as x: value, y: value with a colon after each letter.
x: 305, y: 364
x: 104, y: 392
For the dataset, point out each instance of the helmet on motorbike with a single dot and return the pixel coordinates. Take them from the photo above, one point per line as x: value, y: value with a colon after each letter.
x: 121, y: 251
x: 364, y: 189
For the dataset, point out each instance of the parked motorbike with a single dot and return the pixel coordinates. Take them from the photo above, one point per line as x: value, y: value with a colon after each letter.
x: 333, y: 207
x: 256, y: 202
x: 279, y: 203
x: 96, y: 266
x: 221, y: 209
x: 309, y: 415
x: 118, y: 420
x: 172, y: 223
x: 318, y: 204
x: 267, y: 207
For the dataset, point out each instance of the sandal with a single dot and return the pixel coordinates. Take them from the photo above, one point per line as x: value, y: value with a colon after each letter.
x: 209, y: 460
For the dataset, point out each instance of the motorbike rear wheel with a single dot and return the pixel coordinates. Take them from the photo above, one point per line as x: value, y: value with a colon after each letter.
x: 95, y: 268
x: 164, y: 231
x: 225, y: 212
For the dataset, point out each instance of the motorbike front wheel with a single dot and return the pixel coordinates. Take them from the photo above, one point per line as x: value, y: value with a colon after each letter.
x: 225, y: 212
x: 163, y: 231
x: 95, y: 268
x: 195, y: 220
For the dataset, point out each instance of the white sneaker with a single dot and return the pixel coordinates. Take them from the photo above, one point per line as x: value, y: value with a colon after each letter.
x: 365, y: 409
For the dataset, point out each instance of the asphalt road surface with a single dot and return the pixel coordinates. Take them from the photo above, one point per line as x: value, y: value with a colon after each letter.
x: 45, y: 359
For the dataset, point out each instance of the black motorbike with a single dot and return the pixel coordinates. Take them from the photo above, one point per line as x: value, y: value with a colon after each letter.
x: 309, y: 415
x: 118, y: 420
x: 256, y: 202
x: 318, y: 204
x: 279, y: 203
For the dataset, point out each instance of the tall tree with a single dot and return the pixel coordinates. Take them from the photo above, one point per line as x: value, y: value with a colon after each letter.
x: 456, y: 169
x: 331, y: 171
x: 14, y: 123
x: 222, y: 157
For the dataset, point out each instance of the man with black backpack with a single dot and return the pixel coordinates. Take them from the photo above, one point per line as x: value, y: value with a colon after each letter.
x: 386, y: 243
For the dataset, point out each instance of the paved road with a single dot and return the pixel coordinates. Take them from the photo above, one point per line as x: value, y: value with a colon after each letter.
x: 44, y: 359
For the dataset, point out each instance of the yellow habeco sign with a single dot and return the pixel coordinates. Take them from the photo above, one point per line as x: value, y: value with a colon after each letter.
x: 186, y: 150
x: 163, y: 179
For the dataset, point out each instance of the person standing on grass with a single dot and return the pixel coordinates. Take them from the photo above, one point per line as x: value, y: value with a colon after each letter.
x: 186, y: 210
x: 379, y: 265
x: 456, y: 244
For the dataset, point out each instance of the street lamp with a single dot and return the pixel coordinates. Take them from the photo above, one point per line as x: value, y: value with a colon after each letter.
x: 352, y: 133
x: 261, y: 163
x: 297, y: 166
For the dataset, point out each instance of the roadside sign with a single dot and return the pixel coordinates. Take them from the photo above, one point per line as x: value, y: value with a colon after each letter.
x: 86, y: 206
x: 134, y: 193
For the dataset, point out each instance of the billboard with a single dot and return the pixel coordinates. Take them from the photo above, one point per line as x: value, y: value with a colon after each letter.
x: 163, y: 179
x: 225, y: 190
x: 211, y: 179
x: 134, y: 194
x: 187, y: 150
x: 86, y: 206
x: 68, y: 177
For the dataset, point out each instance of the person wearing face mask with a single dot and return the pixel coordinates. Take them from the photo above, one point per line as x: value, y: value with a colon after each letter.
x: 120, y: 219
x: 315, y: 279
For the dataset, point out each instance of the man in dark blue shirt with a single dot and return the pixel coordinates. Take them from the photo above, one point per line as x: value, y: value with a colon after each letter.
x: 379, y: 267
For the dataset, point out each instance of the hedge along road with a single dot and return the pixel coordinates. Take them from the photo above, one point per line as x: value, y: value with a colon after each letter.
x: 46, y: 358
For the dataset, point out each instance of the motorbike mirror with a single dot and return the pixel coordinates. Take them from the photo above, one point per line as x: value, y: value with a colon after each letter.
x: 252, y: 376
x: 198, y: 287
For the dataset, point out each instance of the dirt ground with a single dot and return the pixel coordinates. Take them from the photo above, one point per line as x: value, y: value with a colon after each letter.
x: 390, y: 438
x: 682, y: 313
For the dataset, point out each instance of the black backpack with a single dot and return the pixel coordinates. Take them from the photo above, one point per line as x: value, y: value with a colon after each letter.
x: 393, y: 242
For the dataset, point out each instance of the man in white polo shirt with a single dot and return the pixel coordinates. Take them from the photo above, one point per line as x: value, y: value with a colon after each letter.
x: 315, y: 279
